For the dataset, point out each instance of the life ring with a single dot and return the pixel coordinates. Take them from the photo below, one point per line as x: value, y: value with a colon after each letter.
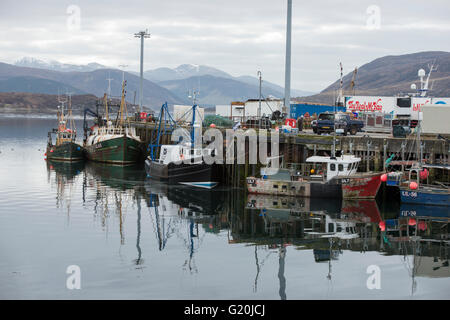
x: 182, y: 156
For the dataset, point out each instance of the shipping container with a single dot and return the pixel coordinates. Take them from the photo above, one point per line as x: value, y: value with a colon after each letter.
x: 302, y: 109
x: 435, y: 119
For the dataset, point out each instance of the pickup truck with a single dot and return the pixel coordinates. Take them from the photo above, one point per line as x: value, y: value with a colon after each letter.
x: 325, y: 123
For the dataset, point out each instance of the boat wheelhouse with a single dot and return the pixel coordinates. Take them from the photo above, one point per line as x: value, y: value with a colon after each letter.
x: 320, y: 176
x: 65, y: 147
x: 182, y: 163
x: 116, y: 141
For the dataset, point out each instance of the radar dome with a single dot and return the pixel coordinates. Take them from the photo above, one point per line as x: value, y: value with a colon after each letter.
x: 421, y: 73
x: 413, y: 86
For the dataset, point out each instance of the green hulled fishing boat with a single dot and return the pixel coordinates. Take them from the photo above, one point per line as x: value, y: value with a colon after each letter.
x: 65, y: 147
x: 114, y: 141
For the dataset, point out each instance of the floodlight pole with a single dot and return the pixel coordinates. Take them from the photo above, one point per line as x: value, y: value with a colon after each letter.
x: 287, y: 76
x: 142, y: 35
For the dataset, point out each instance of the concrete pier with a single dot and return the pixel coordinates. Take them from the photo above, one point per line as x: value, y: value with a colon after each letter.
x: 372, y: 148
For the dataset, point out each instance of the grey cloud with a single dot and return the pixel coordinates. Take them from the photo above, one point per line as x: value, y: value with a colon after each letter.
x: 238, y: 37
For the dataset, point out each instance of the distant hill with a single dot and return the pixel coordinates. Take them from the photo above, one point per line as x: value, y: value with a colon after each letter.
x: 216, y: 90
x: 91, y: 78
x: 183, y: 71
x: 93, y: 82
x: 36, y: 103
x: 186, y: 71
x: 391, y: 75
x: 54, y: 65
x: 272, y: 86
x: 36, y: 85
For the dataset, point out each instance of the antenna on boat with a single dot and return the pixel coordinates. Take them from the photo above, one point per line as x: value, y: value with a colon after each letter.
x: 424, y: 83
x: 109, y: 84
x: 123, y: 71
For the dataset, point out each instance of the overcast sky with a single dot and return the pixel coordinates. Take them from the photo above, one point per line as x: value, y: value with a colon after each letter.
x: 236, y: 36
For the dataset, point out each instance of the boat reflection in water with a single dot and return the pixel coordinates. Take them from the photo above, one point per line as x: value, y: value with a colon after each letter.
x: 174, y: 208
x: 183, y: 220
x: 420, y: 234
x: 329, y: 228
x: 63, y: 176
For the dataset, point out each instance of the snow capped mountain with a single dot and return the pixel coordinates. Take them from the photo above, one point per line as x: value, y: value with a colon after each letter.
x: 56, y: 65
x: 184, y: 71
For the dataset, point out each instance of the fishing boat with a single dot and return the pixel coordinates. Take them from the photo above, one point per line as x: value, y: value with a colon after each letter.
x: 416, y: 189
x: 182, y: 163
x: 114, y: 141
x: 65, y: 147
x: 320, y: 177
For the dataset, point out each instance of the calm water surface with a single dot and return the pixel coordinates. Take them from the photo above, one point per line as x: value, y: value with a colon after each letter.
x: 134, y: 239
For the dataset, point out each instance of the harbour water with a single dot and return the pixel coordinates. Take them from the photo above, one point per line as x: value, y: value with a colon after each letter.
x: 135, y: 239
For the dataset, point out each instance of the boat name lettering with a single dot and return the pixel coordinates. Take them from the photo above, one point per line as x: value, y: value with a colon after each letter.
x: 365, y: 106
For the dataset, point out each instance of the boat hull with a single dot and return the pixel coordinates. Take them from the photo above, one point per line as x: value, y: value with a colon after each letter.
x: 68, y: 151
x: 428, y: 196
x: 121, y: 150
x: 197, y: 175
x: 360, y: 187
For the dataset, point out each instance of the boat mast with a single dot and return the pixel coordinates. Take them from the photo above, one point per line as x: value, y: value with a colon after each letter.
x: 339, y: 99
x: 194, y: 107
x: 105, y: 98
x: 122, y: 102
x: 72, y: 122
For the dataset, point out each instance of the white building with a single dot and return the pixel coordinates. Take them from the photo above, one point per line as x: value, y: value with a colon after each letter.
x: 184, y: 113
x: 249, y: 108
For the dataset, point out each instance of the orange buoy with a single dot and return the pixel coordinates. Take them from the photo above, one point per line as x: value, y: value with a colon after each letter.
x: 424, y: 174
x: 382, y: 225
x: 413, y: 185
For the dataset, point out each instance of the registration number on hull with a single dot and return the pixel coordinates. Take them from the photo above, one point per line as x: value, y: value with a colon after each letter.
x: 409, y: 194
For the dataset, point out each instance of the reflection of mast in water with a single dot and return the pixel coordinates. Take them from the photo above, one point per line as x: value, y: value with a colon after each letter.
x: 282, y: 256
x: 139, y: 259
x: 65, y: 174
x: 191, y: 261
x: 412, y: 269
x: 159, y: 225
x: 119, y: 207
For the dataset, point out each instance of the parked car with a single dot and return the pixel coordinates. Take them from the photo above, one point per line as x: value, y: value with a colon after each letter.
x: 314, y: 126
x: 326, y: 122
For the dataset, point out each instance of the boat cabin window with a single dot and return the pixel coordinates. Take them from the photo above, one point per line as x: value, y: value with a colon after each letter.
x: 349, y: 167
x: 340, y: 167
x: 330, y: 227
x: 332, y: 167
x: 275, y: 186
x: 284, y: 187
x: 192, y: 151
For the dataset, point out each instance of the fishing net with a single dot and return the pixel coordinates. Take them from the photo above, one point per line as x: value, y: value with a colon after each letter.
x: 217, y: 120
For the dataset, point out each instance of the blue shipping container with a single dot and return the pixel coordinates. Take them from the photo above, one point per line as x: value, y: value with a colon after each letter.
x: 299, y: 109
